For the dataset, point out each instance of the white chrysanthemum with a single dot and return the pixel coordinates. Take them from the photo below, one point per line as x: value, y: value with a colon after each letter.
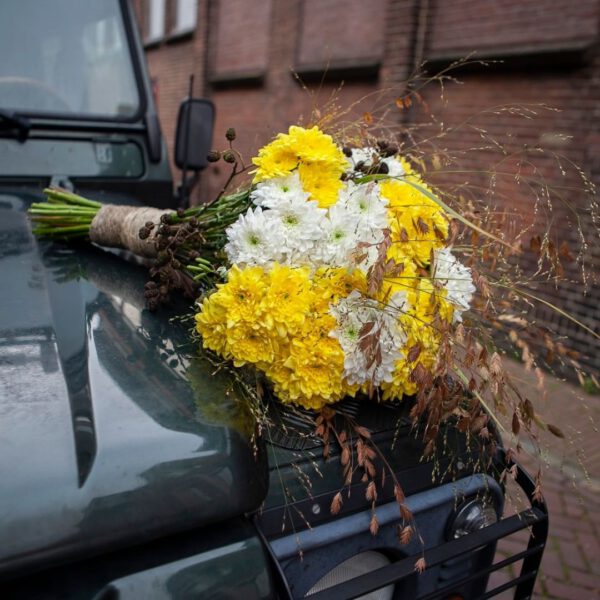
x: 302, y: 223
x: 456, y: 279
x: 395, y: 168
x: 366, y: 204
x: 369, y: 211
x: 279, y: 190
x: 351, y: 314
x: 255, y: 238
x: 339, y: 240
x: 365, y: 157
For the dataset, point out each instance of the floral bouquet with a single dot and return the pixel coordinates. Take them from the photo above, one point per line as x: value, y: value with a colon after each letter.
x: 340, y: 272
x: 342, y: 277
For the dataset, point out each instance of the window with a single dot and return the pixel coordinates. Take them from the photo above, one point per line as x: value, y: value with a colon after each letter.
x: 156, y: 20
x: 185, y: 16
x: 77, y: 67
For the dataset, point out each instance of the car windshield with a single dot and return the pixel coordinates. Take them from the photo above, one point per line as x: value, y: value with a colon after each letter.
x: 67, y: 58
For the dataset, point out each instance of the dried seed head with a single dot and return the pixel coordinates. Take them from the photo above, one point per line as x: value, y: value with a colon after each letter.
x: 213, y: 156
x: 336, y: 504
x: 382, y: 169
x: 374, y: 525
x: 420, y: 565
x: 230, y: 134
x: 389, y: 150
x: 229, y: 156
x: 405, y: 534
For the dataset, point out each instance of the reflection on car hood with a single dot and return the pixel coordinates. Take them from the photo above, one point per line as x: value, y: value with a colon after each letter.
x: 109, y: 432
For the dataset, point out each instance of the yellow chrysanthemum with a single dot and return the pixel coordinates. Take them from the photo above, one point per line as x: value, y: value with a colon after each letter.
x: 319, y: 161
x: 331, y: 284
x: 242, y: 295
x: 418, y: 323
x: 405, y: 282
x: 288, y: 299
x: 211, y: 325
x: 418, y: 225
x: 316, y: 146
x: 277, y: 159
x: 322, y: 182
x: 316, y: 364
x: 250, y: 343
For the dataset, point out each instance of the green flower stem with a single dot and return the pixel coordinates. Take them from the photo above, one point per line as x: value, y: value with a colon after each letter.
x: 55, y: 194
x: 62, y: 231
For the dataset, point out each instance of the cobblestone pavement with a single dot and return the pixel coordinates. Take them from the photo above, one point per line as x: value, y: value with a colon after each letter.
x: 571, y: 485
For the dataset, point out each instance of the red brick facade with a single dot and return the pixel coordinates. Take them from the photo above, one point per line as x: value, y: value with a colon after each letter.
x: 243, y: 54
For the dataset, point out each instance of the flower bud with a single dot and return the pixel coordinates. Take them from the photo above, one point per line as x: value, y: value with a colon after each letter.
x: 230, y: 134
x: 213, y: 156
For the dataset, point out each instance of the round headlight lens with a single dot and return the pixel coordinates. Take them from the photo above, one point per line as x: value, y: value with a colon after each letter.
x: 473, y: 516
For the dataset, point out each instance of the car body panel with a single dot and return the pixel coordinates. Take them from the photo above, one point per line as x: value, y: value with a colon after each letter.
x: 105, y: 439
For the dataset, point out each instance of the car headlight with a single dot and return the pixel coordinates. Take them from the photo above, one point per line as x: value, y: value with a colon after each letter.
x: 472, y: 516
x: 360, y: 564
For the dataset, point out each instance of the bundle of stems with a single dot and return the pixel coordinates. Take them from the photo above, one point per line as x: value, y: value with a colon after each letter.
x: 64, y: 215
x: 185, y: 245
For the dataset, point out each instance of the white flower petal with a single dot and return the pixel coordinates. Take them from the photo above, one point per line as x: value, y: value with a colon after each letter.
x: 456, y: 279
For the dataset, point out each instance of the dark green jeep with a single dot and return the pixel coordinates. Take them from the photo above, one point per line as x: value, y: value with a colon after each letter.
x: 126, y: 465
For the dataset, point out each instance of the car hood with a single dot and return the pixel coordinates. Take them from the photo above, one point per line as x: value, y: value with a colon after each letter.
x: 112, y: 430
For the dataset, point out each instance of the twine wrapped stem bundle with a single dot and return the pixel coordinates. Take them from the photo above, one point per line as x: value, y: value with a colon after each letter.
x: 185, y: 244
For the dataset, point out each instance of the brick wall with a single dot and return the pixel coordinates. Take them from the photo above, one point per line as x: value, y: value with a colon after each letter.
x: 244, y: 53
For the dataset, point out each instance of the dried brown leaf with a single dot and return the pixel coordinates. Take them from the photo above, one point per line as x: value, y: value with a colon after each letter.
x: 496, y: 365
x: 398, y: 494
x: 422, y: 226
x: 516, y: 424
x: 420, y: 565
x: 370, y: 467
x: 363, y: 431
x: 336, y: 504
x: 366, y: 329
x: 405, y: 534
x: 374, y: 525
x: 528, y: 410
x: 564, y: 252
x: 345, y: 456
x: 555, y: 431
x: 414, y: 352
x: 371, y: 492
x: 535, y: 244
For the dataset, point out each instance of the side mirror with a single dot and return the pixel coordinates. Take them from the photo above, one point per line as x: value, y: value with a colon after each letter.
x: 193, y: 137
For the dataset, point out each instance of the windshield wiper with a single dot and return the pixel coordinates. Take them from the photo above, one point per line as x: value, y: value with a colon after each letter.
x: 9, y: 120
